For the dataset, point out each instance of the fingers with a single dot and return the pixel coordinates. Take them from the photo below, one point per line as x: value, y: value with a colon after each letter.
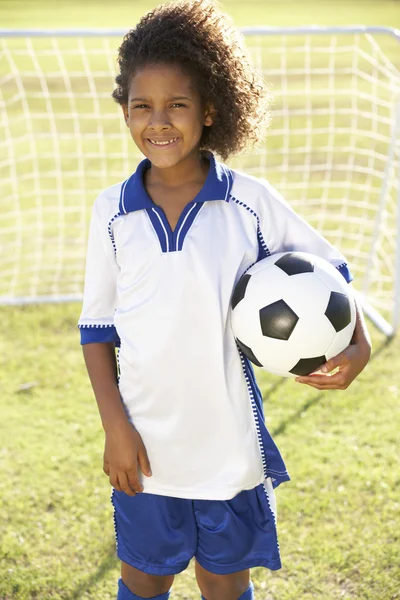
x: 133, y: 479
x: 125, y: 485
x: 144, y: 462
x: 127, y: 482
x: 339, y: 360
x: 326, y: 382
x: 114, y: 480
x: 127, y: 477
x: 333, y: 375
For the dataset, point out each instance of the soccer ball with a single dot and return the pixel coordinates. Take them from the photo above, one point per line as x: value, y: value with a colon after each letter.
x: 291, y: 312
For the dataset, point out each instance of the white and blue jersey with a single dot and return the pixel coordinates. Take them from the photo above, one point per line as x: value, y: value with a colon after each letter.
x: 164, y: 297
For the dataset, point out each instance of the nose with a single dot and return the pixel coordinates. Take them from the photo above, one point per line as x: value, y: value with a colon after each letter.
x: 159, y: 121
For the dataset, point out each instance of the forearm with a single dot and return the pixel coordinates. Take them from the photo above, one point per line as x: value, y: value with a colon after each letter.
x: 361, y: 334
x: 102, y: 369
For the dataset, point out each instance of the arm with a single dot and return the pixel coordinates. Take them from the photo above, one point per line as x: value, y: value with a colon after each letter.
x: 102, y: 369
x: 284, y: 231
x: 348, y: 363
x: 124, y: 447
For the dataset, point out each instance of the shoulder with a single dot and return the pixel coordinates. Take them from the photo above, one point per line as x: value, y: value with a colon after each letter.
x: 106, y: 205
x: 255, y: 193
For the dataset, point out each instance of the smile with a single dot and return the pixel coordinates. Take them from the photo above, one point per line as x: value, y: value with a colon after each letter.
x: 162, y: 143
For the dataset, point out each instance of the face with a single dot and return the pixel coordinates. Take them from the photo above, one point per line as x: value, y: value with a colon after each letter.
x: 165, y: 115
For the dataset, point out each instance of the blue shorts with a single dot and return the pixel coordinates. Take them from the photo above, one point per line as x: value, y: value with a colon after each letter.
x: 160, y: 535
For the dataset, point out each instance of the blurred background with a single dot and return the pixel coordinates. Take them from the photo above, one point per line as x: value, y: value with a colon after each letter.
x: 93, y: 13
x: 329, y: 152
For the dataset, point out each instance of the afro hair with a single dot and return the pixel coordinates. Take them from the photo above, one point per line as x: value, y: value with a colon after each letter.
x: 199, y: 38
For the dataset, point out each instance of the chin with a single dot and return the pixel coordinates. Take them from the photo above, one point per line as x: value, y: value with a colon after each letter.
x: 165, y: 161
x: 162, y: 163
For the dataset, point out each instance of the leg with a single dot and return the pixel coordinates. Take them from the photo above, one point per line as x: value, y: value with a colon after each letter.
x: 143, y: 525
x: 222, y: 587
x: 145, y: 585
x: 237, y: 534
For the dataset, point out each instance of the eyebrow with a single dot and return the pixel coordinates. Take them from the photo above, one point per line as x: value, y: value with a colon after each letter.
x: 173, y: 98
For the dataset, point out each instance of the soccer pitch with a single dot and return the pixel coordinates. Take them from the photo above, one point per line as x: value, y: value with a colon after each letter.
x: 338, y: 517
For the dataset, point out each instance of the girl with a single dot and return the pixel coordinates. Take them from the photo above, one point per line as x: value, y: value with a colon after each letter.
x: 189, y: 458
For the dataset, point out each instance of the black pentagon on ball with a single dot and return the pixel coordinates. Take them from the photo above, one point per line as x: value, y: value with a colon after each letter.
x: 278, y: 320
x: 240, y: 290
x: 305, y: 366
x: 338, y: 311
x: 294, y: 263
x: 249, y: 353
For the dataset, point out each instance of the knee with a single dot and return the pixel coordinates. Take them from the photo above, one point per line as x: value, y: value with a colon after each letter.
x: 223, y: 587
x: 143, y: 584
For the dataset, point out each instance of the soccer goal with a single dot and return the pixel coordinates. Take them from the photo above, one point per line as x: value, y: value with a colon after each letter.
x: 332, y: 150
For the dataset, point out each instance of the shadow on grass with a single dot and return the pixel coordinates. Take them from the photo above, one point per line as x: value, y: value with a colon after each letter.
x: 275, y: 386
x: 312, y: 401
x: 296, y: 415
x: 108, y: 563
x: 382, y: 346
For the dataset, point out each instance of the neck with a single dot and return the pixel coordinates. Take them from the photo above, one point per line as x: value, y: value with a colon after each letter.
x: 193, y: 169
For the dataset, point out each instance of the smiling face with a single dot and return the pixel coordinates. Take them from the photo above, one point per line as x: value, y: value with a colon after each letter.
x: 165, y: 115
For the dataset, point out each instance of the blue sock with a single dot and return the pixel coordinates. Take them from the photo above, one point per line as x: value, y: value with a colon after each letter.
x: 247, y: 595
x: 124, y: 593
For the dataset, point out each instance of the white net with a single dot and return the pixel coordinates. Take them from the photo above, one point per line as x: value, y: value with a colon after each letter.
x: 332, y: 150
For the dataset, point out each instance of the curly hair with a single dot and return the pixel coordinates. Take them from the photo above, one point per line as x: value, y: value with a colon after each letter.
x: 199, y: 38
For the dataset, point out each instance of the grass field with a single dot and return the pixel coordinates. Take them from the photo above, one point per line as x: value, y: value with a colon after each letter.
x: 339, y: 516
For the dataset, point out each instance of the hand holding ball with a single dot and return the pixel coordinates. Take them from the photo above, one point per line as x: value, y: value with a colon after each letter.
x: 291, y: 312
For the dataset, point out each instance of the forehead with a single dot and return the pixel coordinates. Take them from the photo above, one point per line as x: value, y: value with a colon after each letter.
x: 161, y: 79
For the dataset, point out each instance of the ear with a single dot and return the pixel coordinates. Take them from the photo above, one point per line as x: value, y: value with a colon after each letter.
x: 125, y: 113
x: 209, y: 115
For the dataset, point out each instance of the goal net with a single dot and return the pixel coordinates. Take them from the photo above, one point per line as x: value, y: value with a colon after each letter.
x: 332, y: 150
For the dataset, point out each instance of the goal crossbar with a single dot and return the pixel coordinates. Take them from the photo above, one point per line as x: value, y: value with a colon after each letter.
x: 260, y: 30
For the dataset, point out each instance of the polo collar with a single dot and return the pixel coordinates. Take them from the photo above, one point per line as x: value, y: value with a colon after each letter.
x: 217, y: 186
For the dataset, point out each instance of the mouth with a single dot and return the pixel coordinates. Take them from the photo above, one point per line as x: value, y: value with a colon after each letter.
x: 163, y: 143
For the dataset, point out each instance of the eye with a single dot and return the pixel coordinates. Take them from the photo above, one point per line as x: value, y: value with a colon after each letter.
x: 178, y: 105
x: 141, y: 106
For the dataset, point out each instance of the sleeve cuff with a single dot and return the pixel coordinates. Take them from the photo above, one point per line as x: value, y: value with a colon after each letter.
x: 345, y: 271
x: 98, y: 334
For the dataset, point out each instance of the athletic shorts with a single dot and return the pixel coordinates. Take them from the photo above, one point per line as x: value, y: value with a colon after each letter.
x: 160, y: 534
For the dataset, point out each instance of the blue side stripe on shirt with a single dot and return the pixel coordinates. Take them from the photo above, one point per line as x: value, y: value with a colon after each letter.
x: 273, y: 464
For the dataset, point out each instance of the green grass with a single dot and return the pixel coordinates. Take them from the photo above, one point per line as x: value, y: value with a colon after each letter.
x: 338, y: 517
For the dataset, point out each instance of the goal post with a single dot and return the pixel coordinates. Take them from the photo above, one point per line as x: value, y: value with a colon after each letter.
x: 332, y: 150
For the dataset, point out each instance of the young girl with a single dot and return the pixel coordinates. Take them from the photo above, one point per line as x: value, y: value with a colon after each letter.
x: 189, y: 458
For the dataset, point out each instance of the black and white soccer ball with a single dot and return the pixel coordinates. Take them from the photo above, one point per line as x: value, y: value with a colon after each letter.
x: 291, y: 312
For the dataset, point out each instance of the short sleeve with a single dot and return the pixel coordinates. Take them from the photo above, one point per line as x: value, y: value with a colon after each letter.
x: 284, y: 230
x: 96, y: 322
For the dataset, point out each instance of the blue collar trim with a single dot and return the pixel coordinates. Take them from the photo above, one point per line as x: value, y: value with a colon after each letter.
x: 217, y: 186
